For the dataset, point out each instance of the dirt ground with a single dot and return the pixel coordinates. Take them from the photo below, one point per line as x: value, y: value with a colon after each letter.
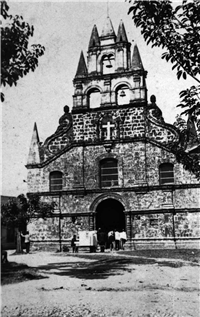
x: 99, y: 285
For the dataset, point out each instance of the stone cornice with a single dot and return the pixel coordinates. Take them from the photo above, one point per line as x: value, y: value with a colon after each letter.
x: 139, y: 103
x: 100, y: 76
x: 140, y: 189
x: 96, y: 143
x: 132, y: 212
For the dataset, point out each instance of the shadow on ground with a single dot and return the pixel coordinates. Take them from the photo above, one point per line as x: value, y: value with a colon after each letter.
x: 100, y: 269
x: 12, y: 272
x: 102, y: 266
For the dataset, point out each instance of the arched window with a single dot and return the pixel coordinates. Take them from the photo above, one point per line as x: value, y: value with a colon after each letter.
x: 94, y: 98
x: 122, y: 95
x: 108, y: 173
x: 56, y: 182
x: 166, y: 173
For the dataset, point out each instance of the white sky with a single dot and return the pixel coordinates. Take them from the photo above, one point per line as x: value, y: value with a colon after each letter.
x: 64, y: 28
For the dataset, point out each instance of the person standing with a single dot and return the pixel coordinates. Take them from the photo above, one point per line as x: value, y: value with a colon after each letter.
x: 111, y: 240
x: 101, y: 237
x: 117, y: 239
x: 26, y: 241
x: 123, y: 238
x: 74, y: 244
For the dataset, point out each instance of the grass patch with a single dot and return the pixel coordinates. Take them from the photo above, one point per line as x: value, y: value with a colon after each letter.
x: 192, y: 255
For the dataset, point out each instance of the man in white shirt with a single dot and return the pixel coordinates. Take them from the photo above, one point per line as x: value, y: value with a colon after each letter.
x: 26, y: 241
x: 111, y: 239
x: 117, y: 239
x: 123, y: 238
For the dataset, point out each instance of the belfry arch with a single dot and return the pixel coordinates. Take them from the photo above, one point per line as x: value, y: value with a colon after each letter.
x: 110, y: 215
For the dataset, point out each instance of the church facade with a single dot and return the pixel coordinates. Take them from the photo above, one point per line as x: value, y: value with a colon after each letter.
x: 110, y: 163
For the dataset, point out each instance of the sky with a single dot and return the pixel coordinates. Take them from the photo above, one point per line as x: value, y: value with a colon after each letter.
x: 64, y: 28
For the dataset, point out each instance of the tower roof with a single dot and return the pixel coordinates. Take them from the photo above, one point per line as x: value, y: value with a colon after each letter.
x: 82, y: 68
x: 121, y: 35
x: 136, y: 59
x: 34, y: 156
x: 94, y: 39
x: 108, y: 30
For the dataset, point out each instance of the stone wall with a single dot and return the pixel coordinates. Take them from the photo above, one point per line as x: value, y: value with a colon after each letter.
x: 131, y: 123
x: 168, y: 225
x: 156, y: 216
x: 55, y: 232
x: 173, y: 230
x: 138, y: 163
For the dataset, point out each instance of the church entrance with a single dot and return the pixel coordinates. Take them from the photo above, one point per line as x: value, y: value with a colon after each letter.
x: 110, y: 215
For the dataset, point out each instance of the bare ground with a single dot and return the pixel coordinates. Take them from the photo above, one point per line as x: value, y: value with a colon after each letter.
x: 143, y: 283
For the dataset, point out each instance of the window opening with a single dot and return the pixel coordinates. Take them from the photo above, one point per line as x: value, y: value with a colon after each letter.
x: 94, y: 98
x: 55, y: 181
x: 123, y: 95
x: 166, y: 173
x: 108, y: 64
x: 108, y: 173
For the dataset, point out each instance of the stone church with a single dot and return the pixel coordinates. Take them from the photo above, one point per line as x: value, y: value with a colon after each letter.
x: 110, y: 163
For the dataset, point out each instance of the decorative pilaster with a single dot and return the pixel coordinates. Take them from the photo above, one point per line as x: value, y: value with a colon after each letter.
x: 128, y: 226
x: 91, y: 222
x: 168, y: 199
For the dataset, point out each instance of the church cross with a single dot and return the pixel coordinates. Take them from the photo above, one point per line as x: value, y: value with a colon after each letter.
x: 108, y: 127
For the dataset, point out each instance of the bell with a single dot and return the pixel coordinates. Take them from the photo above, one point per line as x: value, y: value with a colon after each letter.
x: 109, y: 65
x: 122, y: 93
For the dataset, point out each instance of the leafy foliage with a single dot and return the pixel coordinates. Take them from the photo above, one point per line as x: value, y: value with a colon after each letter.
x: 190, y: 163
x: 17, y: 56
x: 20, y: 210
x: 180, y: 123
x: 178, y: 31
x: 191, y: 100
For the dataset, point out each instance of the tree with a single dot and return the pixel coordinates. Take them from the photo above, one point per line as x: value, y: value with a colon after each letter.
x: 17, y: 56
x: 177, y: 30
x: 187, y: 130
x: 187, y: 134
x: 18, y: 212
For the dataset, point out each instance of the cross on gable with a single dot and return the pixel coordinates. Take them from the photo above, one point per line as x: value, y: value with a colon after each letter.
x: 108, y: 126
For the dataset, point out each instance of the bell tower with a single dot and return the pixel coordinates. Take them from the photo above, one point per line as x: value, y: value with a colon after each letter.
x: 110, y: 78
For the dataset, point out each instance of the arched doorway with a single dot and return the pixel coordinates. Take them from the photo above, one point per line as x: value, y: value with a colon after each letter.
x: 110, y: 215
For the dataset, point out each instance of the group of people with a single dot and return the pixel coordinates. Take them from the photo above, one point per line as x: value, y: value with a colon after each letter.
x: 114, y: 239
